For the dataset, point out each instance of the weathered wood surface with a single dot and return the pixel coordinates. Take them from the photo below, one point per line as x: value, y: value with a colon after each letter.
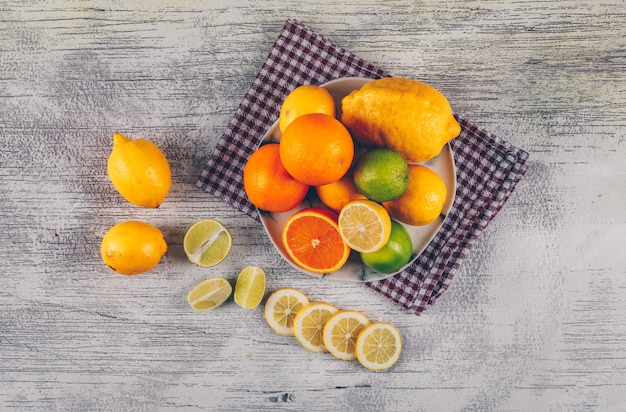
x: 535, y: 320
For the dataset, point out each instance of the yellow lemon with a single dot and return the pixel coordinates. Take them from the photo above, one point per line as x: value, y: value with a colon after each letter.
x: 405, y: 115
x: 378, y: 346
x: 132, y: 247
x: 341, y: 331
x: 422, y: 201
x: 303, y: 100
x: 282, y: 307
x: 139, y: 171
x: 308, y: 325
x: 365, y: 225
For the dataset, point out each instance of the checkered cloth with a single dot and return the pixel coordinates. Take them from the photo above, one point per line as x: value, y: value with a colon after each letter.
x: 488, y: 168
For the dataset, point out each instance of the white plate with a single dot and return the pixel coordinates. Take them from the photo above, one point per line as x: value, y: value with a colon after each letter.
x: 354, y: 270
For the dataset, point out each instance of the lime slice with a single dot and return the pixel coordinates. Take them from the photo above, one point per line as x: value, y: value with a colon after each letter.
x: 209, y: 294
x: 207, y: 243
x: 250, y: 287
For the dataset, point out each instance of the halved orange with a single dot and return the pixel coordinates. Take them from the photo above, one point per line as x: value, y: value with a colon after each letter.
x: 313, y: 241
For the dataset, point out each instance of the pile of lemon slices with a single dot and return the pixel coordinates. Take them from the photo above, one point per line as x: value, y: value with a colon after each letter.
x: 321, y: 327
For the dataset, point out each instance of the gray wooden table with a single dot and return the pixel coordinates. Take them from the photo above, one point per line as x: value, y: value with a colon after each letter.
x: 535, y: 319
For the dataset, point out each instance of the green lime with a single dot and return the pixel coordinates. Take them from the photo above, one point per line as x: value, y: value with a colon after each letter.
x: 207, y: 243
x: 381, y: 174
x: 250, y: 287
x: 395, y: 254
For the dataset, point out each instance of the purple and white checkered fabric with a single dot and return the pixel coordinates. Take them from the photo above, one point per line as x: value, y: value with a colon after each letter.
x: 488, y: 168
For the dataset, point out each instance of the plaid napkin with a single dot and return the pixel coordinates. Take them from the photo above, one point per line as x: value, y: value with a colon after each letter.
x: 488, y: 168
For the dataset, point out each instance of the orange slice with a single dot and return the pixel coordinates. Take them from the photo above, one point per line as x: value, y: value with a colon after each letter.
x: 313, y: 241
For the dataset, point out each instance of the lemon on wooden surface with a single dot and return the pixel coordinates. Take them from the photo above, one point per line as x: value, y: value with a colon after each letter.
x: 381, y: 174
x: 209, y: 294
x: 394, y: 254
x: 250, y: 287
x: 406, y: 115
x: 423, y: 200
x: 207, y: 243
x: 378, y: 346
x: 309, y: 323
x: 282, y: 307
x: 364, y: 225
x: 303, y: 100
x: 139, y: 171
x: 341, y: 331
x: 132, y: 247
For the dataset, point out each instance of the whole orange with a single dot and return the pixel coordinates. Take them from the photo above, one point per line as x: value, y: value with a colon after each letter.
x: 316, y: 149
x: 268, y: 185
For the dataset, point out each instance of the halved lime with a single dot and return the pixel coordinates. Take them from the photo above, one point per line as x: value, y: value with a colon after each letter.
x: 207, y: 243
x: 250, y: 287
x: 209, y: 294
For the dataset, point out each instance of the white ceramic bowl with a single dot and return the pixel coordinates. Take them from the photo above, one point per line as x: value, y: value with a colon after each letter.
x: 354, y: 270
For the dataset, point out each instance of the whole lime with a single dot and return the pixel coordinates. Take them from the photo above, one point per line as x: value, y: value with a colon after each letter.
x: 395, y: 254
x: 381, y: 174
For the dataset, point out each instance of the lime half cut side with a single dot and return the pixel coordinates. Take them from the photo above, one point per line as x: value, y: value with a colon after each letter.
x: 207, y: 243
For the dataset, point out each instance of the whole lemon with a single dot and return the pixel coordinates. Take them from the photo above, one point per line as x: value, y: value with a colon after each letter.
x: 406, y: 115
x: 139, y: 171
x: 396, y: 253
x: 132, y: 247
x: 303, y: 100
x: 381, y: 174
x: 422, y: 201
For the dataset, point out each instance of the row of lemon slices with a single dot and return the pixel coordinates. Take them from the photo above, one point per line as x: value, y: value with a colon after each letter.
x: 321, y: 327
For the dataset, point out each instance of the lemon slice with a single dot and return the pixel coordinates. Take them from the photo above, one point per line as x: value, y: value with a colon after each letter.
x: 365, y: 225
x: 281, y: 309
x: 209, y: 294
x: 309, y: 323
x: 250, y: 287
x: 378, y: 346
x: 207, y: 243
x: 340, y: 333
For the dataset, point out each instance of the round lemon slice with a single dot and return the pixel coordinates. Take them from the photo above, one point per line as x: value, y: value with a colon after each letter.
x: 341, y: 331
x: 281, y: 309
x: 207, y: 243
x: 378, y: 346
x: 364, y: 225
x: 250, y: 287
x: 209, y: 294
x: 309, y: 324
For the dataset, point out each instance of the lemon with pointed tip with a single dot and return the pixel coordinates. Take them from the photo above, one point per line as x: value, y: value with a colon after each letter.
x: 139, y: 171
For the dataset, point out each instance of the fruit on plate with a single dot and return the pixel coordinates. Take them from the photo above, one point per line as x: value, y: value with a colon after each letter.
x: 309, y: 324
x: 139, y: 171
x: 405, y: 115
x: 394, y: 254
x: 267, y: 183
x: 381, y: 174
x: 303, y: 100
x: 132, y: 247
x: 365, y: 225
x: 281, y: 309
x: 335, y: 195
x: 316, y: 149
x: 207, y: 243
x: 423, y: 200
x: 250, y: 287
x: 312, y: 239
x: 209, y: 294
x: 378, y: 346
x: 341, y: 331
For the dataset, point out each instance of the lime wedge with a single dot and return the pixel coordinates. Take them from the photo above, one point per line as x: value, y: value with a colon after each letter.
x: 207, y: 243
x: 250, y: 287
x: 209, y: 294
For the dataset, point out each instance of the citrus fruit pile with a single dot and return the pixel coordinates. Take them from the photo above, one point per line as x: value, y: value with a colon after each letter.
x: 321, y: 327
x: 362, y: 166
